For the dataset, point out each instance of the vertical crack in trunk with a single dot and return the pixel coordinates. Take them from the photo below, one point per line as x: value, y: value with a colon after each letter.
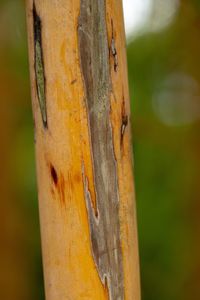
x: 105, y: 228
x: 39, y: 65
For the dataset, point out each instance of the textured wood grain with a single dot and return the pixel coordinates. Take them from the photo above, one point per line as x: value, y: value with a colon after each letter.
x: 84, y: 155
x: 104, y: 226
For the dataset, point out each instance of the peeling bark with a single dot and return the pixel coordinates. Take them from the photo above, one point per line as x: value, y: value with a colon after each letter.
x: 104, y: 230
x: 39, y: 64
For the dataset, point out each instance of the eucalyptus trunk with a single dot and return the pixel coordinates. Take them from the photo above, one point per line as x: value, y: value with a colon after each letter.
x: 83, y: 149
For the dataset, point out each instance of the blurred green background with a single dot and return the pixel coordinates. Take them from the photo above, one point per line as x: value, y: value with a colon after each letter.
x: 164, y: 76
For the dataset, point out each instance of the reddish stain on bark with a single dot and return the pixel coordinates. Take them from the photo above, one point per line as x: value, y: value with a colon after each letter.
x: 54, y: 175
x: 77, y: 178
x: 59, y: 184
x: 73, y: 81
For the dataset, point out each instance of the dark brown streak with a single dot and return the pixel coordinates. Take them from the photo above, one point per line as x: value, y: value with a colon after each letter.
x: 73, y: 81
x: 39, y: 65
x: 104, y: 228
x: 59, y: 183
x: 124, y: 122
x: 113, y: 49
x: 54, y: 175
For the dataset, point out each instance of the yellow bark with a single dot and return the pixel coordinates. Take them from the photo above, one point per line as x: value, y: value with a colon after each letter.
x: 61, y: 150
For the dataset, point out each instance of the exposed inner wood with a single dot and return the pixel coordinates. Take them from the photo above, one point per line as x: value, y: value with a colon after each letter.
x: 39, y: 64
x: 104, y: 227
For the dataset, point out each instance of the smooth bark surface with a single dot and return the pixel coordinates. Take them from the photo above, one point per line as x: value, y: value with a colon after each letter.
x: 83, y: 149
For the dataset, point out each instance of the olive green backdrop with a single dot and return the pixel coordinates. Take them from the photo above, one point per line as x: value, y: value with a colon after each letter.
x: 164, y: 76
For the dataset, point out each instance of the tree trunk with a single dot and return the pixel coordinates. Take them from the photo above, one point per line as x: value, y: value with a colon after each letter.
x: 83, y: 149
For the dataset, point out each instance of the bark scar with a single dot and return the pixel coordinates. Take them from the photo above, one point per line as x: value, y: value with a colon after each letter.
x: 54, y: 175
x: 105, y: 226
x: 124, y: 122
x: 58, y: 183
x: 123, y: 127
x: 113, y: 49
x: 39, y: 65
